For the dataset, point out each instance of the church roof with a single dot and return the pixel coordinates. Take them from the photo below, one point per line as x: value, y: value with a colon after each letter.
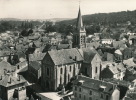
x: 65, y: 56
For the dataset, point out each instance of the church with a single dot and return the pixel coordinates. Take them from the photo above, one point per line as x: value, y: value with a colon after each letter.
x: 79, y: 37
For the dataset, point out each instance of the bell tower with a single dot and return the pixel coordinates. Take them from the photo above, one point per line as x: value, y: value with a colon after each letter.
x: 79, y: 38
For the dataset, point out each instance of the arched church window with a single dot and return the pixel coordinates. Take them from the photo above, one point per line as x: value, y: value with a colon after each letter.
x: 48, y: 71
x: 61, y: 71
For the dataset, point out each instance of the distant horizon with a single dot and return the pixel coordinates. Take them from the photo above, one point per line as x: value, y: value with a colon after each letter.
x: 52, y: 9
x: 65, y: 18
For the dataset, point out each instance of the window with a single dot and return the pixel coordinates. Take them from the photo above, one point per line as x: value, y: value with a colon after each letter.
x: 60, y: 80
x: 78, y: 66
x: 84, y: 97
x: 86, y: 70
x: 79, y: 95
x: 107, y: 97
x: 18, y: 67
x: 75, y: 94
x: 102, y: 96
x: 68, y: 77
x: 95, y: 69
x: 48, y: 71
x: 90, y: 92
x: 90, y: 98
x: 70, y: 68
x: 75, y: 88
x: 80, y: 89
x: 61, y: 71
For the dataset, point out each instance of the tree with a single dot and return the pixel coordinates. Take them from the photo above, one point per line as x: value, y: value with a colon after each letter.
x: 24, y: 33
x: 30, y: 32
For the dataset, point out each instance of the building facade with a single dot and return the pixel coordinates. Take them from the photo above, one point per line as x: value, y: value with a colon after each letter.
x: 12, y: 87
x: 91, y: 66
x: 85, y: 88
x: 58, y: 67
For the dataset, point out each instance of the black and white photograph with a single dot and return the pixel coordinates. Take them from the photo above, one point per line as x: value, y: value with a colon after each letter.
x: 67, y: 49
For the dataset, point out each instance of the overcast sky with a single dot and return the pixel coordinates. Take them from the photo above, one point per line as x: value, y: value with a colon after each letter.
x: 46, y: 9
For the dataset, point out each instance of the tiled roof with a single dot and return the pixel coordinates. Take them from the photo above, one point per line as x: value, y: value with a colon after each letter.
x: 49, y: 47
x: 119, y: 82
x: 118, y: 52
x: 65, y: 56
x: 63, y: 46
x: 119, y: 44
x: 129, y: 62
x: 120, y: 67
x: 93, y: 44
x: 88, y: 54
x: 34, y: 64
x: 6, y: 66
x: 37, y: 43
x: 4, y: 53
x: 95, y: 84
x: 113, y: 69
x: 36, y: 56
x: 9, y: 80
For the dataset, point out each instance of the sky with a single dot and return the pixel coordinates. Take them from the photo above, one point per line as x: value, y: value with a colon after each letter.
x: 46, y: 9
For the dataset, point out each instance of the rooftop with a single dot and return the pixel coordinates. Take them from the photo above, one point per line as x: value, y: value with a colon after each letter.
x: 65, y: 56
x: 95, y: 84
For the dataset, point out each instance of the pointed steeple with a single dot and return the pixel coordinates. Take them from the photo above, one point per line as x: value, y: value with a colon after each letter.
x: 79, y: 20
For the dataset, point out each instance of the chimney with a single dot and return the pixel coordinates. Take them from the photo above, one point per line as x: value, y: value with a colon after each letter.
x: 1, y: 77
x: 18, y: 78
x: 9, y: 81
x: 75, y: 58
x: 5, y: 72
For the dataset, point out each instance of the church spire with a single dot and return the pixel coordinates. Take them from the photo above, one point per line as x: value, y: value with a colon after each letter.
x: 79, y: 20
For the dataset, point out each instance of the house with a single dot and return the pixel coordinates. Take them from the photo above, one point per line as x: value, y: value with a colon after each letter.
x: 114, y: 70
x: 36, y: 57
x: 12, y: 87
x: 21, y: 65
x: 35, y: 69
x: 108, y: 56
x: 5, y: 55
x: 132, y: 39
x: 118, y: 55
x: 107, y: 41
x: 85, y: 88
x: 91, y: 64
x: 129, y: 33
x: 127, y: 53
x: 122, y: 85
x: 131, y: 94
x: 119, y: 44
x: 5, y: 67
x: 58, y: 67
x: 93, y: 44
